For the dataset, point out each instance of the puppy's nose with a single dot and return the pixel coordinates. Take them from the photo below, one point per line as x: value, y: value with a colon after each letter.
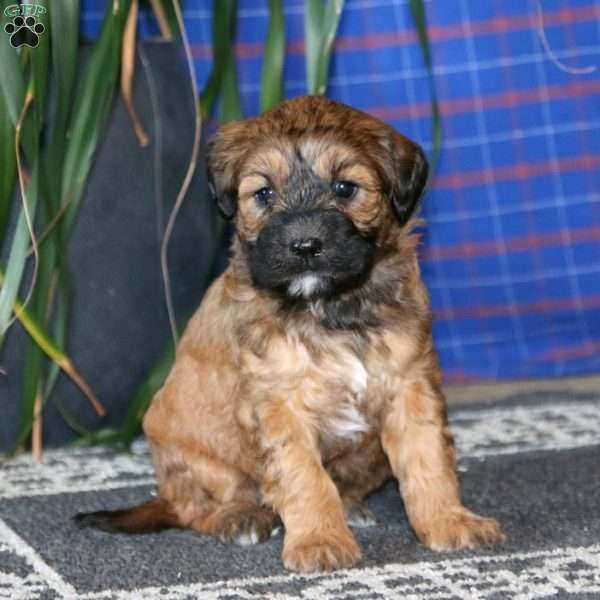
x: 307, y: 247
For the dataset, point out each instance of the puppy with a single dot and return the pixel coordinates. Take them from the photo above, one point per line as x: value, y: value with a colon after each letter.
x: 308, y: 374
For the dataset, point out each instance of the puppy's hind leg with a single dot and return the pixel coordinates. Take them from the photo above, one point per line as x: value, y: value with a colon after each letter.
x: 243, y: 523
x: 213, y: 497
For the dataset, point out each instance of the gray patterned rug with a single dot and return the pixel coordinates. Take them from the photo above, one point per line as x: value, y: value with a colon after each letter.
x: 532, y: 462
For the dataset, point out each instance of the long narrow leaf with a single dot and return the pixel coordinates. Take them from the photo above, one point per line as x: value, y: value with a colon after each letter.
x: 418, y: 12
x: 64, y: 29
x: 29, y: 189
x: 18, y: 253
x: 231, y: 104
x: 60, y: 329
x: 12, y: 82
x: 271, y: 87
x: 93, y: 103
x: 17, y: 67
x: 35, y: 359
x: 12, y: 93
x: 128, y: 71
x: 314, y: 13
x: 39, y: 59
x: 224, y: 22
x: 45, y: 342
x: 162, y: 18
x: 105, y: 437
x: 71, y: 419
x: 9, y: 166
x: 30, y: 376
x: 331, y: 21
x: 39, y: 70
x: 321, y: 19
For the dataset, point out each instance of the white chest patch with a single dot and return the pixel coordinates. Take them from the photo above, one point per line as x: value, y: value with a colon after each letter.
x: 346, y: 419
x: 305, y: 285
x: 357, y: 375
x: 347, y: 422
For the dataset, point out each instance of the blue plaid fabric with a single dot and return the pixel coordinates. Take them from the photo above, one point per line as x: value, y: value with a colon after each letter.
x: 511, y: 252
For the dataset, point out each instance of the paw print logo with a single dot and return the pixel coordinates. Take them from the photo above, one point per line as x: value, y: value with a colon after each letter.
x: 24, y: 31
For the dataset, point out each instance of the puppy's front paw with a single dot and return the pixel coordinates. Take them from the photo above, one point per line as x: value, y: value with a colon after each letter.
x: 320, y: 553
x: 458, y: 529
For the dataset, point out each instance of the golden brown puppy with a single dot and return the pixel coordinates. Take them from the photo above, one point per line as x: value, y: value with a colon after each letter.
x: 308, y: 374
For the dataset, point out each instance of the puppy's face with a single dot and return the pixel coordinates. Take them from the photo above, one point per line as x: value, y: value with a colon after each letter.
x: 315, y: 188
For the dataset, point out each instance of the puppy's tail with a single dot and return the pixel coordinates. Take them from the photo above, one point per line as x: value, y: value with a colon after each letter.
x: 149, y: 517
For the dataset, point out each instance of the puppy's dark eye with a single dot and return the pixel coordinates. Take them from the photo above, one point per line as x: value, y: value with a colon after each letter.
x: 344, y: 189
x: 264, y: 195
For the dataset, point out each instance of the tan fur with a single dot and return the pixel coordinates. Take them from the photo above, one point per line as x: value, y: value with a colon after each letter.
x: 271, y: 163
x: 268, y: 412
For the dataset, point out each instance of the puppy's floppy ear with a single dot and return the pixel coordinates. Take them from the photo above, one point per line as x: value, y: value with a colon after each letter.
x: 409, y: 171
x: 225, y: 152
x: 226, y: 199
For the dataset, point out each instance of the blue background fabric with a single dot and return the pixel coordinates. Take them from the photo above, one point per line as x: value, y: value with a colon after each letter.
x: 511, y: 251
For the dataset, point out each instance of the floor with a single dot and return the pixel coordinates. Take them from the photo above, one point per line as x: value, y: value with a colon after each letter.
x: 500, y: 390
x: 530, y: 459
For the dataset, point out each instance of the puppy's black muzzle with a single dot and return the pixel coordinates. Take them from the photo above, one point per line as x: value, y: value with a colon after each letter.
x: 321, y: 242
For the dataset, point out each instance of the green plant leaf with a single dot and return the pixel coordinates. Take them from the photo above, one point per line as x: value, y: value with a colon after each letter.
x: 165, y: 16
x: 39, y: 70
x: 44, y: 342
x: 12, y: 92
x: 38, y: 332
x: 59, y: 328
x: 331, y: 21
x: 165, y: 7
x: 321, y: 19
x: 271, y: 87
x: 105, y: 437
x: 18, y: 255
x: 314, y: 12
x: 35, y: 359
x: 94, y: 101
x: 12, y: 82
x: 9, y: 167
x: 30, y: 121
x: 31, y: 377
x: 418, y: 12
x: 231, y: 104
x: 64, y: 32
x: 63, y: 19
x: 224, y: 25
x: 71, y: 419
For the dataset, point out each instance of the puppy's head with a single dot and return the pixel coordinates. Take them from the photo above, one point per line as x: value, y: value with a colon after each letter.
x: 316, y: 188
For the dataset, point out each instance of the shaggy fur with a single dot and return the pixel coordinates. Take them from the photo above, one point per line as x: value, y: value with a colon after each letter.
x: 304, y: 381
